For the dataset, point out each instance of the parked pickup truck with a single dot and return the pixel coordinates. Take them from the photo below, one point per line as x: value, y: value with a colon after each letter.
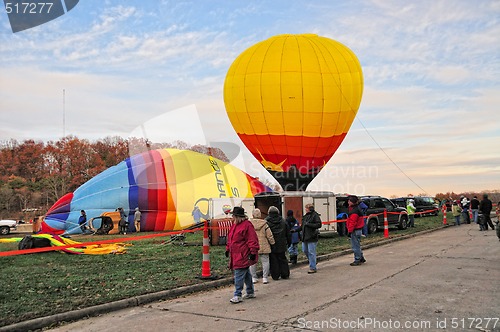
x: 6, y: 225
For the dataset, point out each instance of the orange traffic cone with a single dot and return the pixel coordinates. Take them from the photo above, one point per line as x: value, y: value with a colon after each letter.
x: 205, y: 264
x: 386, y: 224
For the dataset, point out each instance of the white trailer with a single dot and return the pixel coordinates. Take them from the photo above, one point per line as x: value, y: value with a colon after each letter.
x: 324, y: 203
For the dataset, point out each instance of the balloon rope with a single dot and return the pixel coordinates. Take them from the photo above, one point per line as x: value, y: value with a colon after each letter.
x: 388, y: 157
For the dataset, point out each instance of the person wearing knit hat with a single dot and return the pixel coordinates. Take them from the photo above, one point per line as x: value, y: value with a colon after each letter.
x: 242, y: 248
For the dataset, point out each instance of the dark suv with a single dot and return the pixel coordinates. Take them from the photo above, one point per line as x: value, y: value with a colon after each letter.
x: 424, y: 204
x: 375, y: 214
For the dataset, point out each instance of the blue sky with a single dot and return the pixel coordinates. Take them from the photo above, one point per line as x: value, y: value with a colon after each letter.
x: 431, y: 73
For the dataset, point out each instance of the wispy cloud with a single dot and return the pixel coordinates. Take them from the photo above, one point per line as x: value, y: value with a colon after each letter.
x: 431, y: 72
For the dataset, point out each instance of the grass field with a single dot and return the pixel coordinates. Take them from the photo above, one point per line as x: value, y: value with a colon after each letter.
x: 37, y: 285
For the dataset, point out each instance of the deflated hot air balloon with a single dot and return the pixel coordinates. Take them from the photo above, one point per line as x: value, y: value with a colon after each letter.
x: 167, y: 185
x: 291, y: 100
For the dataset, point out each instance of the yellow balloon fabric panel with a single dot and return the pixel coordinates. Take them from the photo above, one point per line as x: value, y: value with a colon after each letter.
x: 292, y: 99
x: 194, y: 176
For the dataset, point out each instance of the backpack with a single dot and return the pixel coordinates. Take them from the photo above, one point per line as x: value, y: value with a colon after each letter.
x: 363, y: 207
x: 30, y: 242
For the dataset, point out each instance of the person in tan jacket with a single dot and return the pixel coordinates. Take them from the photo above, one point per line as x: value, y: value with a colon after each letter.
x: 266, y: 239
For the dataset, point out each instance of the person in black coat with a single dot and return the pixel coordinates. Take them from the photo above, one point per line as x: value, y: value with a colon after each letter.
x: 282, y: 238
x: 311, y: 223
x: 485, y: 207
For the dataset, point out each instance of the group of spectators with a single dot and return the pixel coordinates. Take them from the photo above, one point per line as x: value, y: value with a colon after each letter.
x: 463, y: 208
x: 474, y: 211
x: 269, y: 239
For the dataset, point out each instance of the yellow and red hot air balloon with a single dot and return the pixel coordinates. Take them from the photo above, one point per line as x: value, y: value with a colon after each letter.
x: 291, y: 100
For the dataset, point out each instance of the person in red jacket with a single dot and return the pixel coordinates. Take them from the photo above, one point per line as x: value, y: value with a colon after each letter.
x: 242, y: 248
x: 355, y: 225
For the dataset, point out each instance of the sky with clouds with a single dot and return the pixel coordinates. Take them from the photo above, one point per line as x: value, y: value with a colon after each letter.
x: 427, y: 121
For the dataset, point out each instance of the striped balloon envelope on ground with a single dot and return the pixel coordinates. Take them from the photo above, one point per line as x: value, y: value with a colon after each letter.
x: 170, y: 187
x: 291, y: 100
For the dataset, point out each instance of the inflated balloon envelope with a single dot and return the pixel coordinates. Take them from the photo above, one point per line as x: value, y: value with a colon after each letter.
x: 166, y: 184
x: 291, y: 100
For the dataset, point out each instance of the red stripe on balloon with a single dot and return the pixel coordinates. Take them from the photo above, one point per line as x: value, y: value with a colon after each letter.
x: 162, y: 193
x: 304, y: 152
x: 46, y: 229
x: 171, y: 213
x: 62, y: 205
x: 255, y: 185
x: 148, y: 182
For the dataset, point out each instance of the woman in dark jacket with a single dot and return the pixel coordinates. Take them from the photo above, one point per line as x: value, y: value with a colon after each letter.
x: 281, y: 233
x: 242, y: 248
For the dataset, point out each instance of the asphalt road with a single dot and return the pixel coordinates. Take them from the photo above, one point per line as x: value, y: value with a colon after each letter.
x: 447, y: 280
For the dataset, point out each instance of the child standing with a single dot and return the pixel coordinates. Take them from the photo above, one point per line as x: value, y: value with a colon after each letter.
x: 294, y: 226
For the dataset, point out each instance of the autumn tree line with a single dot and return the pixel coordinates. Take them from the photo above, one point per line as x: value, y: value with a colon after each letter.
x: 35, y: 174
